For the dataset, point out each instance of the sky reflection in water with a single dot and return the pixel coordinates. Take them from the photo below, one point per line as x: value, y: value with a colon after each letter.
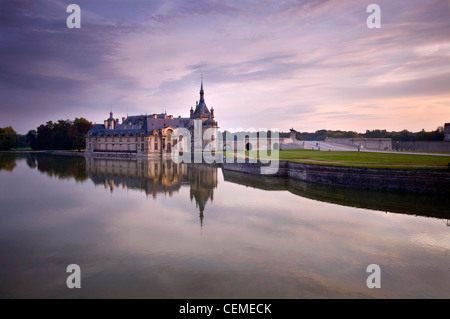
x: 160, y: 230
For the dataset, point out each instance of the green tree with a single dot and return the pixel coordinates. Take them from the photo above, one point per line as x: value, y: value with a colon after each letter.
x: 62, y: 135
x: 43, y: 139
x: 31, y: 139
x: 8, y: 138
x: 78, y: 131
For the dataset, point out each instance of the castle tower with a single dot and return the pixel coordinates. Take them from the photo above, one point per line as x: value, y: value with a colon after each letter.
x: 201, y: 110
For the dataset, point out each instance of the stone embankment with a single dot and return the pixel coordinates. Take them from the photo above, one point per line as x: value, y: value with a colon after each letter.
x: 392, y: 180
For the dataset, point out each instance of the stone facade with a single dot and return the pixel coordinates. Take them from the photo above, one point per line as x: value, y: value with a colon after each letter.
x: 149, y: 136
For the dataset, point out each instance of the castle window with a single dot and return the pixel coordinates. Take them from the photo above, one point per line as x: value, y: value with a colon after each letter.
x: 156, y: 145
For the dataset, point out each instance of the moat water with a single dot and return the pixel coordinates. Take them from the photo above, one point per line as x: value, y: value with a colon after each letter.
x: 154, y: 229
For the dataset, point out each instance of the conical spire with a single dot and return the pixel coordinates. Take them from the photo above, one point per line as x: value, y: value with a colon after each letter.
x: 201, y: 110
x: 202, y: 93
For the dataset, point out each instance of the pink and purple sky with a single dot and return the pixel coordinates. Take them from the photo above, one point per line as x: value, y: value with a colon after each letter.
x: 284, y: 64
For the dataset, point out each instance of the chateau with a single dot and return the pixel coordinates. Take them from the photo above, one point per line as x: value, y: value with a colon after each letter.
x: 148, y: 136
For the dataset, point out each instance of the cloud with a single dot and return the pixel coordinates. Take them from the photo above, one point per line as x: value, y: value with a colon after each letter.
x: 275, y: 62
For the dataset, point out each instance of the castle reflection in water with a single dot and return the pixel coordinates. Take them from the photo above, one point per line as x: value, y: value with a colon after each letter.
x: 164, y: 177
x: 156, y: 177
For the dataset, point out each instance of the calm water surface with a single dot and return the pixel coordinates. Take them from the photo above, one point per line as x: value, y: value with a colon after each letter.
x: 160, y: 230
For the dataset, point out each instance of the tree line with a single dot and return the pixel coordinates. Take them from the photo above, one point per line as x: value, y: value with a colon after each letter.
x: 60, y: 135
x: 9, y: 139
x: 404, y: 135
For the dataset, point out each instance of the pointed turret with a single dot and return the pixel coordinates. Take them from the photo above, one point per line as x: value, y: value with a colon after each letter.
x: 202, y: 93
x: 201, y: 110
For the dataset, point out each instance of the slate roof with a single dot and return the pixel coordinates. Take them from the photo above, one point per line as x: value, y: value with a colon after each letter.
x: 153, y: 124
x: 134, y: 124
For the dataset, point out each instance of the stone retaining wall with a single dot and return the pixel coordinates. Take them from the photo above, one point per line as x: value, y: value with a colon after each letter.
x: 365, y: 143
x: 430, y: 146
x: 65, y: 153
x: 393, y: 180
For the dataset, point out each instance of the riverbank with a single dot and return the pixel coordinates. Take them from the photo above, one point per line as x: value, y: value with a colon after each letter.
x: 381, y: 179
x: 65, y: 153
x: 22, y: 152
x: 50, y: 152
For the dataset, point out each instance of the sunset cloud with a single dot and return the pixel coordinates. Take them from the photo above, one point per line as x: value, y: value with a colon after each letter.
x: 273, y: 64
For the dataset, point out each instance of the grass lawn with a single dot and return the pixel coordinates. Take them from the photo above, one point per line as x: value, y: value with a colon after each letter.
x: 364, y: 159
x: 22, y: 149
